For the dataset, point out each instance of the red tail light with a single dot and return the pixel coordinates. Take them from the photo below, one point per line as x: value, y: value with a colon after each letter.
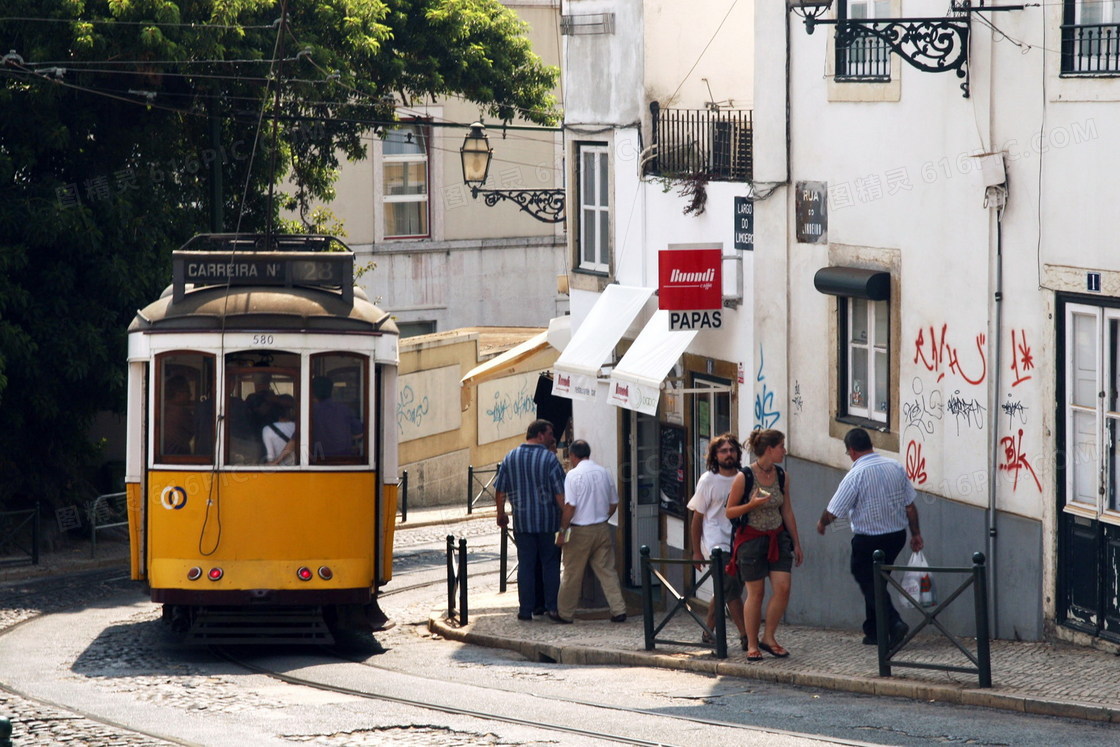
x: 325, y: 573
x: 305, y: 574
x: 194, y: 573
x: 215, y: 574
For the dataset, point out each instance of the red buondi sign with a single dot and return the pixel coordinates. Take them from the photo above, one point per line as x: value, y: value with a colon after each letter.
x: 690, y: 279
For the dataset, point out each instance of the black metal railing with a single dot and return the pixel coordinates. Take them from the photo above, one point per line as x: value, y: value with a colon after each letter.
x: 20, y: 535
x: 480, y: 484
x: 863, y: 58
x: 457, y: 580
x: 716, y: 143
x: 652, y: 628
x: 977, y: 579
x: 1091, y: 49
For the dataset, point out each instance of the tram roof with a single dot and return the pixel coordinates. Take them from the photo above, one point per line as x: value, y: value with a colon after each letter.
x: 264, y: 307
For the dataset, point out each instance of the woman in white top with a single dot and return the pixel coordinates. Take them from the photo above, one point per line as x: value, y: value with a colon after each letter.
x: 279, y: 437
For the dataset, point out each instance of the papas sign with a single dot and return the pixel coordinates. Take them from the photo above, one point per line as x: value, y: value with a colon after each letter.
x: 691, y: 287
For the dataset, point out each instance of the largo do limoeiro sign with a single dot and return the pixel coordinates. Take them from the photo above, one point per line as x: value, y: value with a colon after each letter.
x: 690, y: 286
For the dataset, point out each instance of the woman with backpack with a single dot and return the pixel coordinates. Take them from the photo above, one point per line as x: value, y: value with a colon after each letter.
x: 765, y: 541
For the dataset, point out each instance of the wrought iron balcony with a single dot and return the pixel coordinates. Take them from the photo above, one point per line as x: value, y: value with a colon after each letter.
x: 716, y: 143
x: 1091, y: 49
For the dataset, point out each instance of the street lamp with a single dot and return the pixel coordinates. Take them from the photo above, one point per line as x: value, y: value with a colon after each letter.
x: 546, y: 205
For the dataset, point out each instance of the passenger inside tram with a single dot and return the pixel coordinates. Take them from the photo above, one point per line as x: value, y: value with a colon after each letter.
x: 335, y: 429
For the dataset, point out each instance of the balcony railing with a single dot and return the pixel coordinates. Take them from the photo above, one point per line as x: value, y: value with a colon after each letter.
x: 1091, y: 49
x: 863, y: 58
x: 718, y: 144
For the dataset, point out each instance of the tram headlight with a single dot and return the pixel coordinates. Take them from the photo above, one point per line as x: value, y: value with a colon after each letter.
x: 325, y: 573
x: 215, y: 574
x: 194, y: 573
x: 304, y: 574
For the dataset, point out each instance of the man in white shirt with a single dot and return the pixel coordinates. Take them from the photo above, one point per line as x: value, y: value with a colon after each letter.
x: 710, y: 526
x: 590, y: 498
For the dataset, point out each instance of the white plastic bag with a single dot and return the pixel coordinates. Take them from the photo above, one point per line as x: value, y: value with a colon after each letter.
x: 917, y: 583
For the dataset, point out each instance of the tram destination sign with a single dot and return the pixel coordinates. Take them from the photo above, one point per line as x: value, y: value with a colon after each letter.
x: 318, y: 269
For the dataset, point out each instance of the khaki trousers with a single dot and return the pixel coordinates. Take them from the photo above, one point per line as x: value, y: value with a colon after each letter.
x: 589, y: 545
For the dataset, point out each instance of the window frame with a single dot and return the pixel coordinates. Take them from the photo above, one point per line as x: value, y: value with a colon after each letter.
x: 1104, y: 457
x: 1074, y: 61
x: 869, y: 413
x: 600, y: 263
x: 162, y: 361
x: 870, y: 45
x: 387, y: 159
x: 364, y: 388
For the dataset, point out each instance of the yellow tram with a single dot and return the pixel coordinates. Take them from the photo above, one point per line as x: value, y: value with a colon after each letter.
x: 261, y: 467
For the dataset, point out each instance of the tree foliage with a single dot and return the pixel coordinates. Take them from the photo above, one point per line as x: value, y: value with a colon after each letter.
x: 116, y: 116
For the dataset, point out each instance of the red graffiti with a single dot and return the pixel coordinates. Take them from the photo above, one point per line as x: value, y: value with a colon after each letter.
x: 1016, y: 460
x: 915, y: 463
x: 1022, y: 359
x: 938, y: 352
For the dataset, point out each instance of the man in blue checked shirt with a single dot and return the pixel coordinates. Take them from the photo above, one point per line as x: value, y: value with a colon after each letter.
x: 879, y: 499
x: 532, y: 479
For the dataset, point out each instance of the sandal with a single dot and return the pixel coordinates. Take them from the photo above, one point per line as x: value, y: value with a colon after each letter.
x: 706, y: 638
x: 754, y: 655
x: 776, y: 650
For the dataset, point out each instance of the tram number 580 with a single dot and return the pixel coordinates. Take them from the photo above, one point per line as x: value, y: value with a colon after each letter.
x: 262, y: 339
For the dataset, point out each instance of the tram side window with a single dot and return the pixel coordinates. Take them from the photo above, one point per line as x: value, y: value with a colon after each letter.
x: 339, y: 408
x: 185, y: 408
x: 262, y: 408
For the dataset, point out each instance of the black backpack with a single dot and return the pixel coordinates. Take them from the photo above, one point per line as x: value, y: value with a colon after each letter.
x: 748, y: 475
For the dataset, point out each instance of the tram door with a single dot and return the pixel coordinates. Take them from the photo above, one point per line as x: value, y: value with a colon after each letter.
x: 640, y: 473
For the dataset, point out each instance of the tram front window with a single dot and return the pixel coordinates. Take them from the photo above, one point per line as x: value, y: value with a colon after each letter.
x: 185, y: 408
x: 339, y: 408
x: 262, y: 408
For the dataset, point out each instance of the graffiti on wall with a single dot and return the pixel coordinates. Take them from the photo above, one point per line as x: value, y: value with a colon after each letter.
x: 765, y: 413
x: 1022, y: 360
x: 428, y: 402
x: 506, y: 407
x: 939, y: 356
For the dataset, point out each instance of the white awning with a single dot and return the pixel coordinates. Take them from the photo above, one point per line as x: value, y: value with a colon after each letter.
x: 636, y: 380
x: 576, y: 372
x: 535, y: 354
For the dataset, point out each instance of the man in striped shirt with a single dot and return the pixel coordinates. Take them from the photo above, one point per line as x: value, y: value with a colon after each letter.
x: 532, y: 479
x: 879, y: 499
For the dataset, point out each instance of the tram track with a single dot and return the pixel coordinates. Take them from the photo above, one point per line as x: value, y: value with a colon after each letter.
x: 605, y: 710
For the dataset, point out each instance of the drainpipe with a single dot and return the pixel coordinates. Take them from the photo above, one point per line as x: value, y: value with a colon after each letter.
x: 993, y: 471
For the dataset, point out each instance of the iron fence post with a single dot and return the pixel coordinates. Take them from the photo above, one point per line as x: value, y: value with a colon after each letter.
x: 980, y: 590
x: 5, y: 732
x: 881, y: 621
x: 503, y: 560
x: 450, y: 577
x: 719, y: 602
x: 470, y: 488
x: 647, y: 598
x: 463, y: 581
x: 403, y: 495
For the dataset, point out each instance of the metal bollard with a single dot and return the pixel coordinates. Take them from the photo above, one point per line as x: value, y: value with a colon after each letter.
x: 450, y: 577
x: 470, y: 488
x: 503, y: 561
x: 5, y: 732
x: 463, y: 582
x: 647, y: 597
x: 881, y: 621
x: 983, y: 650
x: 402, y: 495
x: 718, y: 600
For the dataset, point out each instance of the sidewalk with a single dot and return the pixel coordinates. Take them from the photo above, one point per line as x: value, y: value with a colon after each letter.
x: 1054, y: 679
